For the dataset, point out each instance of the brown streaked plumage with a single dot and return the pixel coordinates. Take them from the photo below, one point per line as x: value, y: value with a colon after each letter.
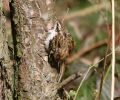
x: 60, y: 48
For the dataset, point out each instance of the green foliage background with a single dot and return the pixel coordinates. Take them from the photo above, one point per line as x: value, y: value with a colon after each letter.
x: 93, y: 28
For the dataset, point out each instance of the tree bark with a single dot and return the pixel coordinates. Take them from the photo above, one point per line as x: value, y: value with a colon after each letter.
x: 6, y: 65
x: 35, y: 78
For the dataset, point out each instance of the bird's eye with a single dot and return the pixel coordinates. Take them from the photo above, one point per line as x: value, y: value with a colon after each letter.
x: 59, y: 45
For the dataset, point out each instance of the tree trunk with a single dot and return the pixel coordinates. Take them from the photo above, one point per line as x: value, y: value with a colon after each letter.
x: 6, y: 65
x: 35, y: 78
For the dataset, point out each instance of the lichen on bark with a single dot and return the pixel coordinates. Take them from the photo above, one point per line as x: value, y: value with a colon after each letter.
x: 6, y: 68
x: 37, y: 80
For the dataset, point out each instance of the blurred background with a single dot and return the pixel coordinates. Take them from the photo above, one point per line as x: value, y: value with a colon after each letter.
x: 89, y: 22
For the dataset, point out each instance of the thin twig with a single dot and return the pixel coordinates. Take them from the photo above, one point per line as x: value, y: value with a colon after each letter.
x: 103, y: 73
x: 69, y: 79
x: 113, y: 49
x: 86, y: 11
x: 87, y: 73
x: 106, y: 52
x: 82, y: 82
x: 85, y: 50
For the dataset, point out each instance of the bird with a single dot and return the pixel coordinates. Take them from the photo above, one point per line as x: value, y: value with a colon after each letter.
x: 59, y: 44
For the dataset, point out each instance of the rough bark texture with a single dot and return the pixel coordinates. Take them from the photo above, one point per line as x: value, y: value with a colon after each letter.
x: 36, y: 79
x: 6, y: 69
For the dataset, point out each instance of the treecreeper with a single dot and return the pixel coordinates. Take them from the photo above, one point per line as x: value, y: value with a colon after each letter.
x: 59, y: 44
